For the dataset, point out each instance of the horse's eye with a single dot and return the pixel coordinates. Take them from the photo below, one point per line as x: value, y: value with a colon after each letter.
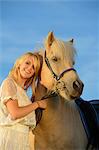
x: 54, y: 58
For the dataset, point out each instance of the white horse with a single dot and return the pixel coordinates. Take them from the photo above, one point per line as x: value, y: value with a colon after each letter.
x: 60, y: 127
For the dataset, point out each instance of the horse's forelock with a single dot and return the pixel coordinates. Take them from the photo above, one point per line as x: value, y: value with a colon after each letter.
x: 62, y: 49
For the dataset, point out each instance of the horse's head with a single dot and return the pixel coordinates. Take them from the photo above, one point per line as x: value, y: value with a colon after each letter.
x: 57, y: 72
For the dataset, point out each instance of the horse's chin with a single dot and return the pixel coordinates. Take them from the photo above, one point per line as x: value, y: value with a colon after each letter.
x: 68, y: 96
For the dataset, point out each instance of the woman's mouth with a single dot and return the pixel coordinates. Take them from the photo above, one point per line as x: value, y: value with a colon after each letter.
x: 28, y: 72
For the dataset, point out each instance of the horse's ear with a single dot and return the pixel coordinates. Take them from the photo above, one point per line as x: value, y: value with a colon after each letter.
x: 50, y: 39
x: 71, y: 41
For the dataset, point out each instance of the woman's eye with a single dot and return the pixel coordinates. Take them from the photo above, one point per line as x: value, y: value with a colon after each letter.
x: 54, y: 58
x: 27, y: 63
x: 33, y: 66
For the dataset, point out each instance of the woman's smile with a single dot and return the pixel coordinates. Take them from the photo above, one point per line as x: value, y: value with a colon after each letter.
x: 28, y: 72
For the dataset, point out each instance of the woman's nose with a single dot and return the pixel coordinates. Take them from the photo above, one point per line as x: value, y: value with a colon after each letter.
x: 30, y: 68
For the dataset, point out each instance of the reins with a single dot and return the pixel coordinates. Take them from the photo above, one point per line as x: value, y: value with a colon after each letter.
x: 49, y: 95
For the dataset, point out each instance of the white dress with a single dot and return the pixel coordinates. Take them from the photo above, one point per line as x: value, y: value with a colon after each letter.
x: 14, y: 134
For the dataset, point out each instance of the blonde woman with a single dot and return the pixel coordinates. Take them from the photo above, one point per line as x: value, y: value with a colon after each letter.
x: 17, y: 112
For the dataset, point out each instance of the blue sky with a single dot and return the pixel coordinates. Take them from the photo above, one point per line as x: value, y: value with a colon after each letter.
x: 25, y: 23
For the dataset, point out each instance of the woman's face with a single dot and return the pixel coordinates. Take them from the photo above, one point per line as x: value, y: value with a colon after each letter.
x: 27, y: 68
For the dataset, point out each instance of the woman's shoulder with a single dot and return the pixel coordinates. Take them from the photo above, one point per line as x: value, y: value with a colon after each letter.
x: 8, y: 82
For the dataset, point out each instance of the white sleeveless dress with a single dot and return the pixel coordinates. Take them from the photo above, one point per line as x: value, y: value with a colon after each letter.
x: 14, y: 134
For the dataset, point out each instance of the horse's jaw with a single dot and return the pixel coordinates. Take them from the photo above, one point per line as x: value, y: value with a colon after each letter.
x: 58, y: 88
x: 63, y: 92
x: 65, y: 96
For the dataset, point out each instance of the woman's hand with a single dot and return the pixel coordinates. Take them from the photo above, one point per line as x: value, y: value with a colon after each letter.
x: 42, y: 104
x: 17, y: 111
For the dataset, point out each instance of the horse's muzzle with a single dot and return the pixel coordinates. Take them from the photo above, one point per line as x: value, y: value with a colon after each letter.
x: 78, y: 86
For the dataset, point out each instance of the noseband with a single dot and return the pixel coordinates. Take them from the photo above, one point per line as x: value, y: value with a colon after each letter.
x: 57, y: 77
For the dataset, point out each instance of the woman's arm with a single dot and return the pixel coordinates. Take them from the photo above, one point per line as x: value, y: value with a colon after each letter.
x: 17, y: 112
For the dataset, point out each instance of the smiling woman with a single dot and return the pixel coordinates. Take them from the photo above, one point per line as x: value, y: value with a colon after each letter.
x: 27, y: 68
x: 17, y: 112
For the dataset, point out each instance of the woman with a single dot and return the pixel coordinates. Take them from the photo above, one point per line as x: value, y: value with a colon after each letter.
x: 17, y: 112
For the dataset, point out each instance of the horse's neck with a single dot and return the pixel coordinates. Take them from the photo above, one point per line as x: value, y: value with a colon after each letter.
x: 56, y: 106
x: 59, y: 119
x: 40, y: 92
x: 61, y: 109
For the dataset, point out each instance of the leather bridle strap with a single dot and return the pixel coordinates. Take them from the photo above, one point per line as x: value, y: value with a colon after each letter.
x: 53, y: 73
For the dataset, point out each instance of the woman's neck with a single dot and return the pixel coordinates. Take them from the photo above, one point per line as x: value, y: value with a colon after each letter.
x: 21, y: 82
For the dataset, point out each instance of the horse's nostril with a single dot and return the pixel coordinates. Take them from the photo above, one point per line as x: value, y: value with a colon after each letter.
x: 76, y: 85
x: 82, y: 85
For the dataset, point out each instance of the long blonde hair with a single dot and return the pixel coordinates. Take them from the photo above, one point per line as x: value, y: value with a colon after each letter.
x: 14, y: 73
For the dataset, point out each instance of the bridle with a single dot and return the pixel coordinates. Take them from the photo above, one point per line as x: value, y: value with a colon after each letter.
x: 57, y: 77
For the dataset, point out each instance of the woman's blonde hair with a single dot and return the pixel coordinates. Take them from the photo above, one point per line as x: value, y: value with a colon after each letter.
x: 14, y: 73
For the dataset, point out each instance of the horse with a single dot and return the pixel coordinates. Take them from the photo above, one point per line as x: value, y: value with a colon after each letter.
x: 60, y: 126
